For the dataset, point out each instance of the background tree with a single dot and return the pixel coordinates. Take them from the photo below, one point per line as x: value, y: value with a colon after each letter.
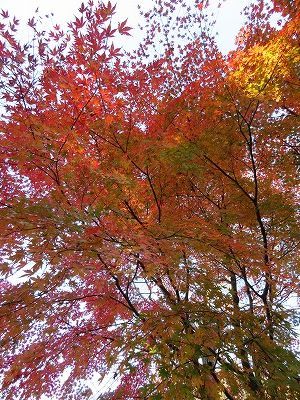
x: 149, y: 202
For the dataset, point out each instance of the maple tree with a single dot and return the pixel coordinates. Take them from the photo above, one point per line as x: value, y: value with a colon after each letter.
x: 149, y: 206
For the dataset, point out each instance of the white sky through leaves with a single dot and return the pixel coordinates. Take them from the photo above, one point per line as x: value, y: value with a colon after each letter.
x: 228, y: 16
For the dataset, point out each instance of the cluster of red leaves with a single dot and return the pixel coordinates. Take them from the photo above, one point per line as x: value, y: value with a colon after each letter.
x: 148, y: 206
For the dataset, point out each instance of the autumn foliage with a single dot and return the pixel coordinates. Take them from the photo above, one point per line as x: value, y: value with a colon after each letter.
x: 148, y: 206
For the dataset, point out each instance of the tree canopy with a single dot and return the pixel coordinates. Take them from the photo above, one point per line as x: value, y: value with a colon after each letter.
x: 148, y: 206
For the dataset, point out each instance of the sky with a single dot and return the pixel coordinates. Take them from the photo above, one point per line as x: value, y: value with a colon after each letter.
x: 228, y: 22
x: 228, y: 16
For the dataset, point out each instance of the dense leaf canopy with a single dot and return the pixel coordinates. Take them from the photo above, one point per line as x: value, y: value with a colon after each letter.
x: 148, y: 206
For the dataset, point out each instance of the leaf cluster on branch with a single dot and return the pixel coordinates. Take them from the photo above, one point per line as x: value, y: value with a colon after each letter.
x: 148, y: 206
